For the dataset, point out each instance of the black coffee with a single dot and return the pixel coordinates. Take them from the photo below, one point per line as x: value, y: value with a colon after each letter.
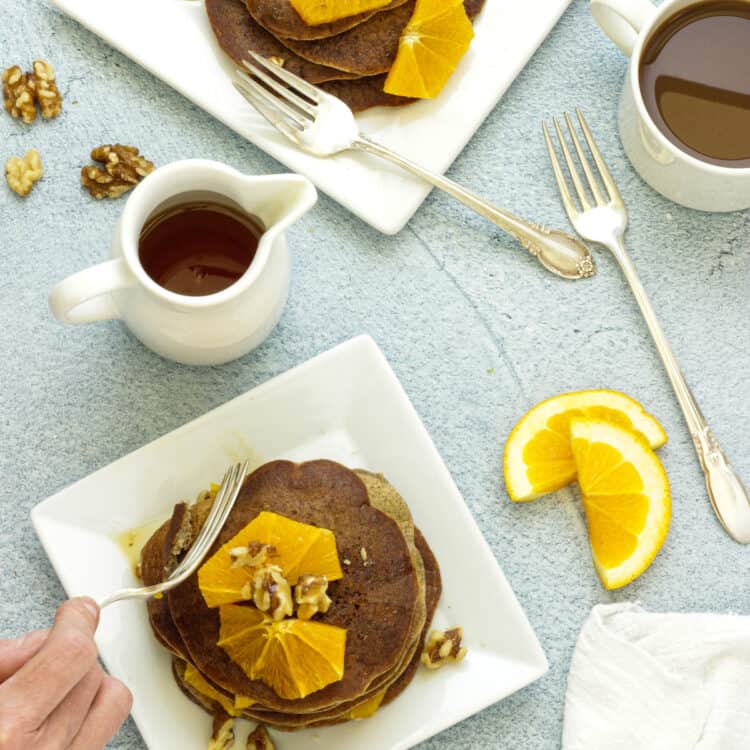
x: 695, y: 81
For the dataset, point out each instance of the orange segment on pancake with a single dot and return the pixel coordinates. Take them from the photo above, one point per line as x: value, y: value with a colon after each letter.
x: 198, y: 682
x: 431, y: 46
x: 316, y: 12
x: 301, y: 549
x: 294, y: 657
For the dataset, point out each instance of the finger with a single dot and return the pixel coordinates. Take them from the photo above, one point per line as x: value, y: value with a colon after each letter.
x: 66, y: 656
x: 16, y: 652
x: 108, y: 711
x: 66, y: 720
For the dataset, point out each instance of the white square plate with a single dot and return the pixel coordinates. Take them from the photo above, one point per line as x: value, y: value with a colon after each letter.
x: 344, y: 405
x: 432, y: 133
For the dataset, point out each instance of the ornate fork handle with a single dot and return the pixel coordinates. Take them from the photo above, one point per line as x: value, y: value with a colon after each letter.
x: 557, y: 251
x: 726, y: 491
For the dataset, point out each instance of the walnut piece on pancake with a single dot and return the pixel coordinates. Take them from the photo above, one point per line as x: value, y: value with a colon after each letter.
x: 22, y: 173
x: 272, y: 593
x: 42, y: 80
x: 255, y: 555
x: 443, y: 647
x: 123, y: 169
x: 18, y: 94
x: 311, y: 597
x: 223, y: 732
x: 259, y: 739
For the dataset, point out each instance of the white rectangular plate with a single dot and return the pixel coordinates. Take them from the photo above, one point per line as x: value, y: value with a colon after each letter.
x: 344, y: 405
x: 173, y: 40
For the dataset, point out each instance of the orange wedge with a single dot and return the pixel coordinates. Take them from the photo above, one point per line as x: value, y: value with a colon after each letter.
x: 431, y: 46
x: 199, y: 683
x: 369, y: 708
x: 293, y: 657
x: 315, y: 12
x: 538, y: 458
x: 301, y: 549
x: 625, y: 496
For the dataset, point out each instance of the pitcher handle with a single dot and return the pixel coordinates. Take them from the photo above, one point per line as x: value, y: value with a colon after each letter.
x: 622, y: 20
x: 85, y: 297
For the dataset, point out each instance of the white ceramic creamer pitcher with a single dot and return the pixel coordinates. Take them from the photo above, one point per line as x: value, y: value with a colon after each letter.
x: 195, y: 330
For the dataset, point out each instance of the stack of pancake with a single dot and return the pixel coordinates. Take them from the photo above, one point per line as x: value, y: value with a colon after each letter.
x: 385, y: 600
x: 349, y: 58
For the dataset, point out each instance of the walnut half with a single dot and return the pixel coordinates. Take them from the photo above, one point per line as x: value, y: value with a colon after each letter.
x: 21, y: 174
x: 311, y: 597
x: 123, y: 169
x: 272, y: 593
x: 18, y: 94
x: 42, y: 80
x: 223, y: 733
x: 255, y: 555
x: 259, y: 739
x: 443, y: 647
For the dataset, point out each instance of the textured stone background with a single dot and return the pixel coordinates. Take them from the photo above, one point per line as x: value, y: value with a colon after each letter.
x: 475, y: 330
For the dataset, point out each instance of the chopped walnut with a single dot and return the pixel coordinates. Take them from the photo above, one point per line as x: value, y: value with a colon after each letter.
x: 259, y: 739
x: 18, y: 94
x: 21, y: 174
x: 272, y: 593
x: 255, y: 555
x: 311, y: 597
x: 123, y: 170
x: 363, y: 554
x: 443, y: 647
x: 42, y: 80
x: 223, y: 733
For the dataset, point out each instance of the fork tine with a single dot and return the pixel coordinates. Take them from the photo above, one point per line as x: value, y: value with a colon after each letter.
x: 567, y: 199
x: 293, y: 80
x: 283, y: 91
x: 574, y: 174
x: 593, y: 184
x: 604, y: 172
x: 272, y: 115
x: 254, y: 88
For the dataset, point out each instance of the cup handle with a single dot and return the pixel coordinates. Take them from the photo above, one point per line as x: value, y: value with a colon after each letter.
x: 622, y: 20
x: 85, y: 297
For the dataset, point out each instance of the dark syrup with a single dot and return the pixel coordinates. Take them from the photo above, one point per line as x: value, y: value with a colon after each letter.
x: 198, y: 248
x: 695, y: 81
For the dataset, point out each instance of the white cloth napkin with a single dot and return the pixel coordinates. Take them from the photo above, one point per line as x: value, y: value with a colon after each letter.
x: 645, y: 681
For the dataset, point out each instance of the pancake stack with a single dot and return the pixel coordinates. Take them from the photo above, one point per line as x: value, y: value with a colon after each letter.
x: 349, y: 58
x: 385, y: 600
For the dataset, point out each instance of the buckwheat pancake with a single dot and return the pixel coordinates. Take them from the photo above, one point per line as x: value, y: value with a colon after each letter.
x: 374, y: 603
x: 366, y: 50
x: 237, y: 32
x: 433, y: 592
x: 282, y: 20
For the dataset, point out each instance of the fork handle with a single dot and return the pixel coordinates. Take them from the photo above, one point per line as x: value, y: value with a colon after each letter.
x: 557, y: 251
x: 728, y: 495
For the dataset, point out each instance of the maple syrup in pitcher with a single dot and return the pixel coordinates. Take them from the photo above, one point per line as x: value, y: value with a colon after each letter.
x: 198, y: 247
x: 695, y: 80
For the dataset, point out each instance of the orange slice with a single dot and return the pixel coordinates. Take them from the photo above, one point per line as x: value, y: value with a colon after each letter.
x: 368, y: 708
x: 315, y: 12
x: 301, y: 549
x: 431, y: 46
x: 293, y: 657
x: 538, y: 458
x: 625, y: 495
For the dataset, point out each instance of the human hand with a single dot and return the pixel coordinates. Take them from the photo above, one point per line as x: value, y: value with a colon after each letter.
x: 54, y: 695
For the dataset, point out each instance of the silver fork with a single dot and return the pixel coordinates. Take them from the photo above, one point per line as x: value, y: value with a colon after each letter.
x: 220, y: 510
x: 323, y: 125
x: 604, y: 221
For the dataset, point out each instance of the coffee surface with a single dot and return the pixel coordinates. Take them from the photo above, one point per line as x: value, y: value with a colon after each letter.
x: 199, y: 248
x: 695, y: 81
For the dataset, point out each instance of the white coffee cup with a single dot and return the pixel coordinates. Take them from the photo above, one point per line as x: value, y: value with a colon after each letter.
x: 205, y: 330
x: 674, y: 173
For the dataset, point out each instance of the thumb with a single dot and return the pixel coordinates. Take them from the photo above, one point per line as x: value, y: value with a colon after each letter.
x: 14, y: 653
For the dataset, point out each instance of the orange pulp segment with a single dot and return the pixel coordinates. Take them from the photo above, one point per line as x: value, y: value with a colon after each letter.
x: 199, y: 683
x: 431, y: 46
x: 316, y: 12
x: 368, y: 708
x: 301, y: 549
x: 293, y: 657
